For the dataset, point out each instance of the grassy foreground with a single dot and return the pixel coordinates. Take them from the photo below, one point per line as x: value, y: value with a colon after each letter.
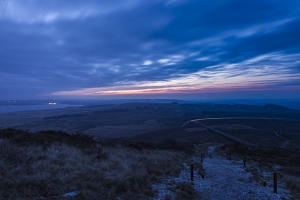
x: 47, y: 165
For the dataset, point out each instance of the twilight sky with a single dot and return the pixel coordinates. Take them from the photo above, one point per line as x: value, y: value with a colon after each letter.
x: 149, y: 49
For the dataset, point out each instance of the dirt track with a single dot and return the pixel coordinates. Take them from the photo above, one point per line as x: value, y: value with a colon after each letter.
x: 228, y: 180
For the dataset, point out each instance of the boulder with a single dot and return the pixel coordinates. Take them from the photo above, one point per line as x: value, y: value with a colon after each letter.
x: 71, y: 194
x: 277, y: 168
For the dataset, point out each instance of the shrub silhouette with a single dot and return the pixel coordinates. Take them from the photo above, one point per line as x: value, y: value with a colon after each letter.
x: 46, y: 138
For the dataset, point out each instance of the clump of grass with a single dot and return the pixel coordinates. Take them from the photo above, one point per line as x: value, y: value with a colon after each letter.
x: 293, y: 183
x: 200, y: 169
x: 46, y: 138
x: 185, y: 190
x: 256, y: 176
x: 34, y: 168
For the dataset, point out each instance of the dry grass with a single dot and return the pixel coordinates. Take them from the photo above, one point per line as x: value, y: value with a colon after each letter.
x: 41, y: 170
x: 181, y: 190
x: 293, y: 183
x: 185, y: 190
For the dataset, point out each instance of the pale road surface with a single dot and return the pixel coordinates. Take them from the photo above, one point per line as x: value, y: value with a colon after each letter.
x: 286, y: 142
x: 193, y: 120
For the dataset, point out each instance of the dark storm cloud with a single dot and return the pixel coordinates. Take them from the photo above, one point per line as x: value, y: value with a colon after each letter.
x: 284, y: 39
x: 52, y: 46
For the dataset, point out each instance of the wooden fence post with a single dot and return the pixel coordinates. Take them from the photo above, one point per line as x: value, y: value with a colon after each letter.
x: 275, y: 182
x: 192, y: 172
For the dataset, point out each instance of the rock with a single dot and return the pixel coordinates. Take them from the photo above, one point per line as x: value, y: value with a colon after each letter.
x: 277, y: 168
x: 71, y: 194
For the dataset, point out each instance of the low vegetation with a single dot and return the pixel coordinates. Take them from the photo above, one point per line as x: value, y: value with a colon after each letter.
x: 47, y: 165
x: 66, y: 116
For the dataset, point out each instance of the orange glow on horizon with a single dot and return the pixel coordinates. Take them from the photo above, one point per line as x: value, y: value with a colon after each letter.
x: 171, y: 90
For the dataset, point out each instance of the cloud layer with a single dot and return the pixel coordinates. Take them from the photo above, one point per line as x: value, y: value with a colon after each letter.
x: 103, y: 48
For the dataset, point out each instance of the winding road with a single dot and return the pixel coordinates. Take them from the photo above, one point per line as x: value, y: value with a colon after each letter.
x: 286, y: 142
x: 229, y: 136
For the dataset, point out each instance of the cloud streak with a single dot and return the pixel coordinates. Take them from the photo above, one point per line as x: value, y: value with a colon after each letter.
x: 254, y: 74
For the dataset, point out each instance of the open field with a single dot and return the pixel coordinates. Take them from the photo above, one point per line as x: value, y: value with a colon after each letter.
x: 200, y: 136
x: 129, y: 117
x: 122, y: 131
x: 100, y: 122
x: 159, y: 121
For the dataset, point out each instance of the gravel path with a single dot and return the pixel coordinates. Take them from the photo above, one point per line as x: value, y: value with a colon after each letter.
x: 228, y: 180
x: 225, y: 180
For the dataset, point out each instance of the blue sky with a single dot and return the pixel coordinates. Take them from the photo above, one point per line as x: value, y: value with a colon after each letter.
x: 149, y: 49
